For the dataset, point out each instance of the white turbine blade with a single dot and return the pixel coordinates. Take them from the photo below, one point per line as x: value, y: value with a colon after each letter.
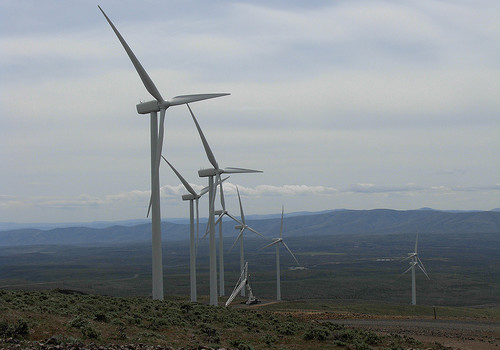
x: 222, y: 202
x: 208, y: 151
x: 159, y: 147
x: 254, y: 231
x: 232, y: 217
x: 290, y: 251
x: 215, y: 195
x: 241, y: 207
x: 185, y: 99
x: 423, y: 270
x: 231, y: 170
x: 149, y: 206
x: 219, y: 219
x: 270, y: 244
x: 237, y: 238
x: 206, y: 231
x: 408, y: 257
x: 205, y: 189
x: 281, y: 226
x: 239, y: 285
x: 184, y: 182
x: 416, y: 243
x: 146, y: 80
x: 422, y: 267
x: 408, y: 269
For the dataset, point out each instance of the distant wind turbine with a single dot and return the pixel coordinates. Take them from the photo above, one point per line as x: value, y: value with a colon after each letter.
x: 211, y: 173
x: 242, y: 229
x: 415, y: 261
x: 221, y: 214
x: 153, y: 107
x: 276, y: 242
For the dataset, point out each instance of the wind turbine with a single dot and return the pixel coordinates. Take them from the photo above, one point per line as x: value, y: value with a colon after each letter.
x: 153, y: 107
x: 415, y: 261
x: 276, y: 242
x: 191, y: 197
x: 210, y: 173
x: 242, y: 229
x: 220, y: 214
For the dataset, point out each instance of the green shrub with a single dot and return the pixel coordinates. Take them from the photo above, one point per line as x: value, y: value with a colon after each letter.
x: 16, y: 330
x: 317, y: 333
x: 90, y: 332
x: 287, y: 328
x: 240, y: 345
x: 78, y: 322
x: 269, y: 339
x: 211, y: 332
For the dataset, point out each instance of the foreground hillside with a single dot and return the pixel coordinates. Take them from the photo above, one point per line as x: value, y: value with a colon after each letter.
x: 67, y: 319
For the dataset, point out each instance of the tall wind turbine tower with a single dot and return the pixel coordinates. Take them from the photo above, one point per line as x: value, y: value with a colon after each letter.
x: 152, y: 108
x: 414, y: 261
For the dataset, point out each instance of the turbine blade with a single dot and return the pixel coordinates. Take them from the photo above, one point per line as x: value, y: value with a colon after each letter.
x: 184, y: 182
x: 146, y: 80
x: 231, y: 170
x: 205, y: 189
x: 408, y: 269
x: 185, y: 99
x: 270, y: 244
x: 290, y: 252
x: 159, y: 147
x: 208, y: 151
x: 222, y: 202
x: 241, y: 207
x: 149, y: 206
x: 416, y: 243
x: 237, y: 239
x: 260, y: 234
x: 423, y: 270
x: 232, y: 217
x: 422, y: 267
x: 219, y: 219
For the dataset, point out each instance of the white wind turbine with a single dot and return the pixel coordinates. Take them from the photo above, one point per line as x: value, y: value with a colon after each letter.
x: 415, y: 261
x: 191, y: 197
x: 221, y: 214
x: 210, y: 173
x: 277, y: 241
x: 153, y: 107
x: 242, y: 229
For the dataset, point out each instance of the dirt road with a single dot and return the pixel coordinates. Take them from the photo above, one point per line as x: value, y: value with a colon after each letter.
x: 457, y: 334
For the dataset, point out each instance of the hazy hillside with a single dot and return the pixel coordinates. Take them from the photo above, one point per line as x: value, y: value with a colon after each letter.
x: 377, y: 221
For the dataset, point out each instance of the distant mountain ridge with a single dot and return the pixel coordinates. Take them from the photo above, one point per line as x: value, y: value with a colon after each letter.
x: 377, y: 221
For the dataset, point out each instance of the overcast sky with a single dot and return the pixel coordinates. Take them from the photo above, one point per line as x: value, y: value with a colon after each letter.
x: 342, y: 104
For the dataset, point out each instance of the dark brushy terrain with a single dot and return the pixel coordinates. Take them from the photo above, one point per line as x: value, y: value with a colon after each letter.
x: 63, y: 319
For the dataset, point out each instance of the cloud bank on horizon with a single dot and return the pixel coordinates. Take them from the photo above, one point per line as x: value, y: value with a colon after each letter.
x: 349, y: 104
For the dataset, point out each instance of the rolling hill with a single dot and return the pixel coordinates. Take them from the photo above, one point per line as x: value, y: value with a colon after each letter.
x: 378, y: 221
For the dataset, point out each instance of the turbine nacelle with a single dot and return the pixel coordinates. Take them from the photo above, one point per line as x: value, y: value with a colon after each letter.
x: 189, y: 197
